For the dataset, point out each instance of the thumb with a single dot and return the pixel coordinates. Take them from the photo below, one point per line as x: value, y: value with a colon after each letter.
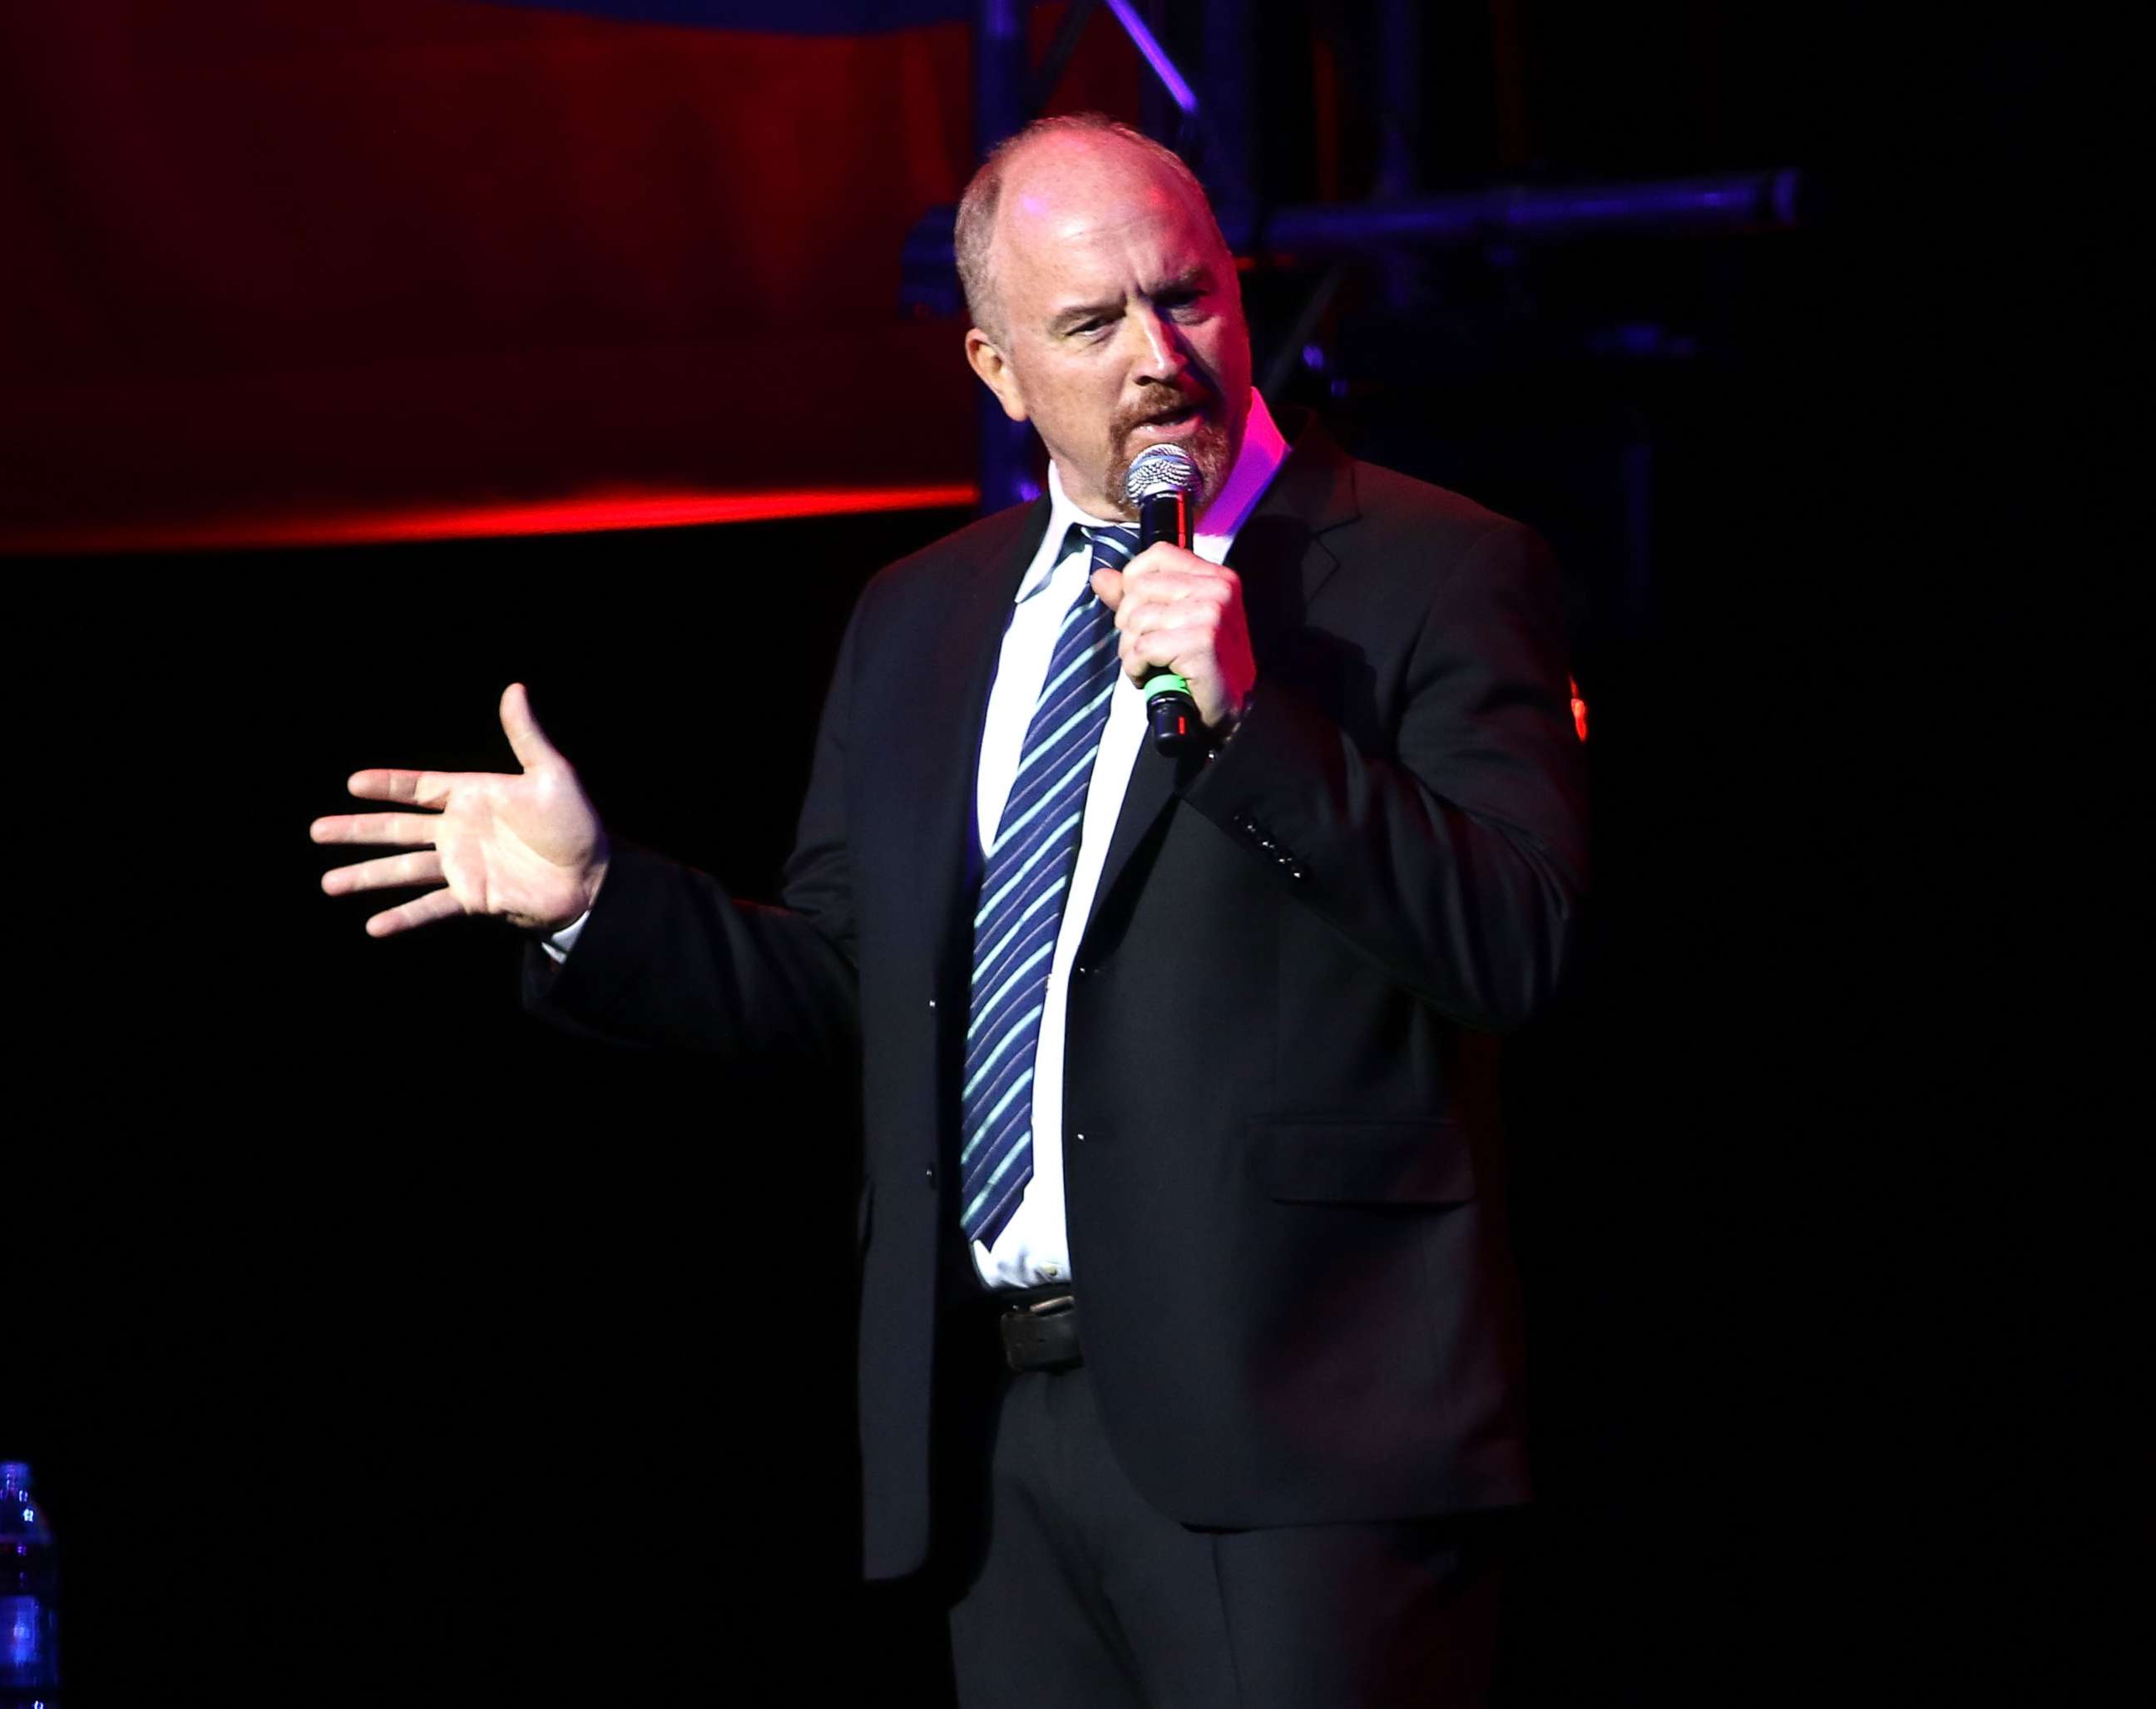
x: 1109, y: 585
x: 526, y: 740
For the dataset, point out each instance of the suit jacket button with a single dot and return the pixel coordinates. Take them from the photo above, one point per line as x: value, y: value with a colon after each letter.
x: 931, y: 1174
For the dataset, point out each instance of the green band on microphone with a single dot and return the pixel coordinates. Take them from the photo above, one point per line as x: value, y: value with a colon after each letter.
x: 1166, y: 682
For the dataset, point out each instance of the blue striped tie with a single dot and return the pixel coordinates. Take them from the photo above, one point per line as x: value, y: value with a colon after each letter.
x: 1023, y: 880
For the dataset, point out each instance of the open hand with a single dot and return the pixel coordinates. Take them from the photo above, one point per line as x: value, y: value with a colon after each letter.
x: 525, y: 847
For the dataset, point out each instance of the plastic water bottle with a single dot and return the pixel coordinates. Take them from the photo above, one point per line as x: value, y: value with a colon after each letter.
x: 29, y: 1596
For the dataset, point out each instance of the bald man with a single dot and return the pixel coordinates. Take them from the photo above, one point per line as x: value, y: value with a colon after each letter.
x: 1187, y: 1341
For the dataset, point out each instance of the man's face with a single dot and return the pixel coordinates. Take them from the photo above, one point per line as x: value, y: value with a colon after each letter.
x: 1123, y: 317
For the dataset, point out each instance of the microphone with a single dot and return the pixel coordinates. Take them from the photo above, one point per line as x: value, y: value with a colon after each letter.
x: 1164, y: 486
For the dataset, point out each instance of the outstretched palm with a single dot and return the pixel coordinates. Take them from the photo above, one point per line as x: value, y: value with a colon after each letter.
x: 526, y: 846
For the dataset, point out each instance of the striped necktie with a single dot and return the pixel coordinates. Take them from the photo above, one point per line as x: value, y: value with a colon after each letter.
x: 1023, y: 880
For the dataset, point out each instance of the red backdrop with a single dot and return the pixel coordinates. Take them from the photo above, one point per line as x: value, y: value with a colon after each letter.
x: 268, y: 261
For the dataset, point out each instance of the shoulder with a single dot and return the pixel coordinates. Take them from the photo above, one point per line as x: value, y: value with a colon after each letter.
x: 1413, y: 548
x: 942, y: 566
x: 1383, y: 494
x: 1357, y: 506
x: 1392, y: 508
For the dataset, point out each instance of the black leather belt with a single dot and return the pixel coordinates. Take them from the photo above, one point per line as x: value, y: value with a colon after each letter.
x: 1039, y: 1330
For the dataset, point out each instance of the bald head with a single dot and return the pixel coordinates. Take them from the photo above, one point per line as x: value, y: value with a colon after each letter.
x: 1047, y: 153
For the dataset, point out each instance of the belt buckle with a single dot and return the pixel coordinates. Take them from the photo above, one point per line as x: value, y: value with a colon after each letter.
x: 1041, y: 1335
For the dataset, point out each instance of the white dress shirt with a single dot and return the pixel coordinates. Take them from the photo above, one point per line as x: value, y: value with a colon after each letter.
x: 1034, y: 1246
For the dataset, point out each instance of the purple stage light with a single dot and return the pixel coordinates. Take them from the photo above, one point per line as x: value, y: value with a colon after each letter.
x: 1155, y: 56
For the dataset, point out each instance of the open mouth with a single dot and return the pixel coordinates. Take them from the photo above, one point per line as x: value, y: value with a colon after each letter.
x: 1172, y: 425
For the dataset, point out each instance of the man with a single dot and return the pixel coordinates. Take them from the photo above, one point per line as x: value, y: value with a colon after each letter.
x: 1186, y: 1332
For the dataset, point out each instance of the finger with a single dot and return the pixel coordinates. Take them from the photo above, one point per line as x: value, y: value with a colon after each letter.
x: 1158, y: 648
x: 526, y: 740
x: 421, y: 910
x: 388, y: 873
x: 1194, y: 609
x: 406, y: 830
x: 1109, y: 585
x: 1164, y: 587
x: 1161, y: 556
x: 413, y: 788
x: 1165, y: 558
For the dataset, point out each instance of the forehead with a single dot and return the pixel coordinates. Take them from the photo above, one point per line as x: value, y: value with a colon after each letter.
x: 1078, y: 213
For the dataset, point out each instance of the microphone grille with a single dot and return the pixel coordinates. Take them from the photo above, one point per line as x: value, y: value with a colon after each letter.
x: 1163, y: 469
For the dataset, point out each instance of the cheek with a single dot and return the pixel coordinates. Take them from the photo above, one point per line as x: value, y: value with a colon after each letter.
x: 1082, y: 405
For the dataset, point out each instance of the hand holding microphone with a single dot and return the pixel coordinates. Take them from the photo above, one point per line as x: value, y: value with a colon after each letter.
x: 1184, y: 639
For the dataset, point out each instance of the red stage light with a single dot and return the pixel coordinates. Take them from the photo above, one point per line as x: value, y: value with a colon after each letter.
x: 594, y: 514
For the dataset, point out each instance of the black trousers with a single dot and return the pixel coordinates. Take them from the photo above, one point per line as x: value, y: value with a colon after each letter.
x: 1077, y: 1593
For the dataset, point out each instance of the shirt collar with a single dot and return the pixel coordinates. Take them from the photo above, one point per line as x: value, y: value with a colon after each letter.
x: 1264, y: 450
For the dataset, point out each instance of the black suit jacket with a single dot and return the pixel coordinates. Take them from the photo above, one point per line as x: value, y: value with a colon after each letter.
x: 1283, y: 1180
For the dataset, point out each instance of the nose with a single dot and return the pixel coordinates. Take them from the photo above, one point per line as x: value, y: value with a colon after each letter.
x: 1161, y: 355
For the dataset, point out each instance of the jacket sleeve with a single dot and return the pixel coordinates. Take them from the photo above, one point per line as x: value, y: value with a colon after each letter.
x: 1455, y: 858
x: 670, y: 958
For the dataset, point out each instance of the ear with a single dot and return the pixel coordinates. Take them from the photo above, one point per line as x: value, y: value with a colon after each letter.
x: 996, y: 372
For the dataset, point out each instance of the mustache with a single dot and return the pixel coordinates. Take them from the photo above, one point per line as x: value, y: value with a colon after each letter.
x: 1127, y: 422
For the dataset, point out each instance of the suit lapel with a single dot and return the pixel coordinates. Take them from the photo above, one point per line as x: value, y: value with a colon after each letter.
x: 1282, y: 560
x: 1280, y: 552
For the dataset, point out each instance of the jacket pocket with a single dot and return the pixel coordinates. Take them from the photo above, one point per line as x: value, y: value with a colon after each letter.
x: 1363, y: 1163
